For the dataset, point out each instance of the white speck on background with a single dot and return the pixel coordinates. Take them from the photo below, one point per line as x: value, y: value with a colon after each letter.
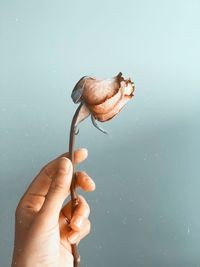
x: 124, y: 221
x: 188, y: 230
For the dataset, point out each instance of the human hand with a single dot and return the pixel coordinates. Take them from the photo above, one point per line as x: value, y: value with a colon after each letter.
x: 44, y: 230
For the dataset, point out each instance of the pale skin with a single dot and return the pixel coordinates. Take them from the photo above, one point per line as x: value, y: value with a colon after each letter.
x: 44, y: 229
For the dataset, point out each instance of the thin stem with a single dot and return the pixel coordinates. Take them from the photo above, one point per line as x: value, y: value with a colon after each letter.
x: 74, y: 196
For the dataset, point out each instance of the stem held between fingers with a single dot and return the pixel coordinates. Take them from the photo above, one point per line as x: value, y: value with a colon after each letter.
x: 74, y: 196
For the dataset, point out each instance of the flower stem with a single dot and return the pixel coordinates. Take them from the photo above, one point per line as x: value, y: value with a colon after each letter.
x: 74, y: 196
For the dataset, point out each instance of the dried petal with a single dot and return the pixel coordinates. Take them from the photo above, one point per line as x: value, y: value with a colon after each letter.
x: 103, y: 99
x: 96, y: 91
x: 107, y: 105
x: 84, y: 112
x: 78, y: 89
x: 113, y: 112
x: 112, y: 106
x: 97, y: 126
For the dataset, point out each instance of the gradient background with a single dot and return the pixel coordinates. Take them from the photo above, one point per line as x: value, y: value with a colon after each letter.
x: 145, y: 211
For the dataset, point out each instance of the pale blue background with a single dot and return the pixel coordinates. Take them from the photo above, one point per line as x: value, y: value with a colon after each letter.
x: 145, y: 211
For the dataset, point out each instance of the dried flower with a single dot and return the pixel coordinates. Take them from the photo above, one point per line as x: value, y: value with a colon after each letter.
x: 103, y: 99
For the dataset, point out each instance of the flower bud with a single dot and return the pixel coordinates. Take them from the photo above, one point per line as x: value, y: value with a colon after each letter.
x: 103, y: 98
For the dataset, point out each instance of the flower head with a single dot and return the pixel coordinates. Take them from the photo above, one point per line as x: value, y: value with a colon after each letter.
x: 103, y: 99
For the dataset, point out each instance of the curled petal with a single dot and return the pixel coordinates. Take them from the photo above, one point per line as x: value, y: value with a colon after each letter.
x: 108, y: 105
x: 97, y: 91
x: 78, y: 90
x: 97, y: 126
x: 84, y: 112
x: 103, y: 99
x: 114, y: 111
x: 112, y: 106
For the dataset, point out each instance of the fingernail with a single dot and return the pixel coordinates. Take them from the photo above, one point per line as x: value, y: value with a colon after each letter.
x: 85, y: 150
x: 78, y: 221
x: 73, y: 237
x: 89, y: 181
x: 92, y: 183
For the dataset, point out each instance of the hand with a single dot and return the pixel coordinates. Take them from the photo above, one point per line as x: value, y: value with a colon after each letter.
x: 44, y: 230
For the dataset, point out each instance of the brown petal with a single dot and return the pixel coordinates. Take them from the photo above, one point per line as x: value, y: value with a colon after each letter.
x: 97, y: 91
x: 84, y: 112
x: 108, y: 105
x: 78, y: 90
x: 127, y: 87
x: 114, y: 111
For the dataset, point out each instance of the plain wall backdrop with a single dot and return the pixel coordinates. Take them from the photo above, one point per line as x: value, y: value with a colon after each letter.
x: 145, y: 211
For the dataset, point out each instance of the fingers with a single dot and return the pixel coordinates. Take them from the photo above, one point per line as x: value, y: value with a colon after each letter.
x: 75, y: 236
x: 81, y: 212
x: 58, y: 191
x: 84, y: 181
x: 34, y: 196
x: 75, y: 228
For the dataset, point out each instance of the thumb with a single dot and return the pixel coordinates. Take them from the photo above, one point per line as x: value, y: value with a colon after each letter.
x: 58, y: 191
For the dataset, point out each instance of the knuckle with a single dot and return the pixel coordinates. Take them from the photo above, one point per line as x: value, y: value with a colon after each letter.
x: 57, y: 187
x: 19, y: 209
x: 61, y: 171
